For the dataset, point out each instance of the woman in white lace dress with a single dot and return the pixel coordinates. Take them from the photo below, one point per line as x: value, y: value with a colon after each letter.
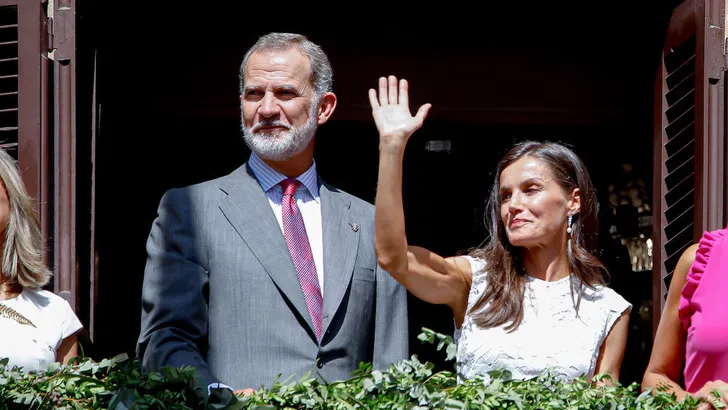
x: 533, y: 298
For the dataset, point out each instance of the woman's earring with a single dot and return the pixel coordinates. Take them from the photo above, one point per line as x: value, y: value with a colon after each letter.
x: 568, y: 228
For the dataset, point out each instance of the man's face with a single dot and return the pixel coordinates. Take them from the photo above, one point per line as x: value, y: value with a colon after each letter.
x: 279, y: 106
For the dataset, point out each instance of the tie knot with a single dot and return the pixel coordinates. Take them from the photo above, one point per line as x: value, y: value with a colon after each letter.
x: 289, y: 186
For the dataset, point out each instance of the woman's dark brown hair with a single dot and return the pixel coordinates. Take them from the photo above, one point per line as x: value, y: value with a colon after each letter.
x: 502, y: 301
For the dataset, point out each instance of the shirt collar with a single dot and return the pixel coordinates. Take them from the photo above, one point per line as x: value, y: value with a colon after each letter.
x: 269, y: 177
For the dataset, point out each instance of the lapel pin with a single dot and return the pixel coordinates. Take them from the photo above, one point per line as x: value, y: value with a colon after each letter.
x: 354, y: 226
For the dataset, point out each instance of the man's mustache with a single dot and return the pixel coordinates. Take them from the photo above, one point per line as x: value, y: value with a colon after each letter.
x: 269, y: 123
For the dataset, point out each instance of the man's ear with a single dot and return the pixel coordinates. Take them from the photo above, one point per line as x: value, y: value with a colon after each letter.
x: 326, y: 108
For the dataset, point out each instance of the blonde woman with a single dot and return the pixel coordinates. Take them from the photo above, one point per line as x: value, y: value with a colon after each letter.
x: 37, y: 326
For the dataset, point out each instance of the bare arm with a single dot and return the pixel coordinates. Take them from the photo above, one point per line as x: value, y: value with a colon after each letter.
x: 668, y: 351
x: 427, y: 275
x: 68, y: 349
x: 612, y: 351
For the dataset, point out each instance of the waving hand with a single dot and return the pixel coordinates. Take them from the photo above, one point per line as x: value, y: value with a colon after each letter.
x: 391, y: 112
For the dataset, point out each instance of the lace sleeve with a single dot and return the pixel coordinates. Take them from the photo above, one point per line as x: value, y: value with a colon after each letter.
x: 616, y: 305
x: 480, y: 279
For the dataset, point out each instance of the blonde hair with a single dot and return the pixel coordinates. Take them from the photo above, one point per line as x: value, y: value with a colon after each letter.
x: 23, y: 248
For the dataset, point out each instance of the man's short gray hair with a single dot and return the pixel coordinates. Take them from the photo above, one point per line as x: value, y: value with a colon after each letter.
x: 322, y: 76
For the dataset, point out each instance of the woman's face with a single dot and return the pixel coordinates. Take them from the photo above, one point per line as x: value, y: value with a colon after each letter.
x: 533, y: 206
x: 4, y: 208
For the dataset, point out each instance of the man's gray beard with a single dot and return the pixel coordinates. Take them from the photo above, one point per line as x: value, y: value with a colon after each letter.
x: 280, y: 145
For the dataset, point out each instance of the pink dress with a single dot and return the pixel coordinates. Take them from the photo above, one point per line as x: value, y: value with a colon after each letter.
x: 704, y: 312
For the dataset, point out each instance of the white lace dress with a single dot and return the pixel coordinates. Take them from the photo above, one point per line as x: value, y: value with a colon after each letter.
x: 551, y: 336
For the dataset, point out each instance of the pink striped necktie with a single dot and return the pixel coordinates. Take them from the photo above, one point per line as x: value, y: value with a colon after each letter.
x: 294, y: 231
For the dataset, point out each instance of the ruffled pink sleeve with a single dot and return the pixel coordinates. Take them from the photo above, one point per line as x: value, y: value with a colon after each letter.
x: 695, y: 274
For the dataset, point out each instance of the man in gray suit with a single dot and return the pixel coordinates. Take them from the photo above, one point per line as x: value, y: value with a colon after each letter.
x: 269, y: 270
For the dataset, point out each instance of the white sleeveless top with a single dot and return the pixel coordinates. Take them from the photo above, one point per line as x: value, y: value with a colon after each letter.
x: 34, y: 348
x: 551, y: 335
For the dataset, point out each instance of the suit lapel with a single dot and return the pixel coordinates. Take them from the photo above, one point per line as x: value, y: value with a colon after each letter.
x: 247, y: 209
x: 341, y: 241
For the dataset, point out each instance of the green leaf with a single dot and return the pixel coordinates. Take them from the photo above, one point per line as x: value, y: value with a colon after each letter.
x: 368, y: 385
x: 120, y: 358
x: 427, y: 335
x: 86, y: 366
x: 454, y: 404
x: 451, y: 351
x: 79, y: 377
x: 122, y: 400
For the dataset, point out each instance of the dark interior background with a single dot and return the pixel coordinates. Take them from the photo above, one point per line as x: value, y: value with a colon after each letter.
x: 167, y: 98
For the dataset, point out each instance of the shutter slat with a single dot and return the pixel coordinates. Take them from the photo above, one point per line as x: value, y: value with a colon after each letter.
x: 9, y: 80
x: 679, y: 148
x: 681, y: 72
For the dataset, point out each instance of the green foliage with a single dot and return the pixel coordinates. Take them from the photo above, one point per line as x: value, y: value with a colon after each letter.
x: 119, y: 384
x: 116, y: 383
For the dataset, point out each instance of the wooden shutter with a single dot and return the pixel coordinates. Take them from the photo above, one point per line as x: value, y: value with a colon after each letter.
x: 62, y: 16
x: 689, y: 137
x: 9, y: 79
x: 36, y: 40
x: 23, y: 101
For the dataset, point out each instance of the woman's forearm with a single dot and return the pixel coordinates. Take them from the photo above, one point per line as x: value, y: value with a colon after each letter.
x: 661, y: 382
x: 390, y: 237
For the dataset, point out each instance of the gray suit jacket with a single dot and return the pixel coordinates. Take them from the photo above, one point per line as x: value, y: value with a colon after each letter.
x: 220, y: 291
